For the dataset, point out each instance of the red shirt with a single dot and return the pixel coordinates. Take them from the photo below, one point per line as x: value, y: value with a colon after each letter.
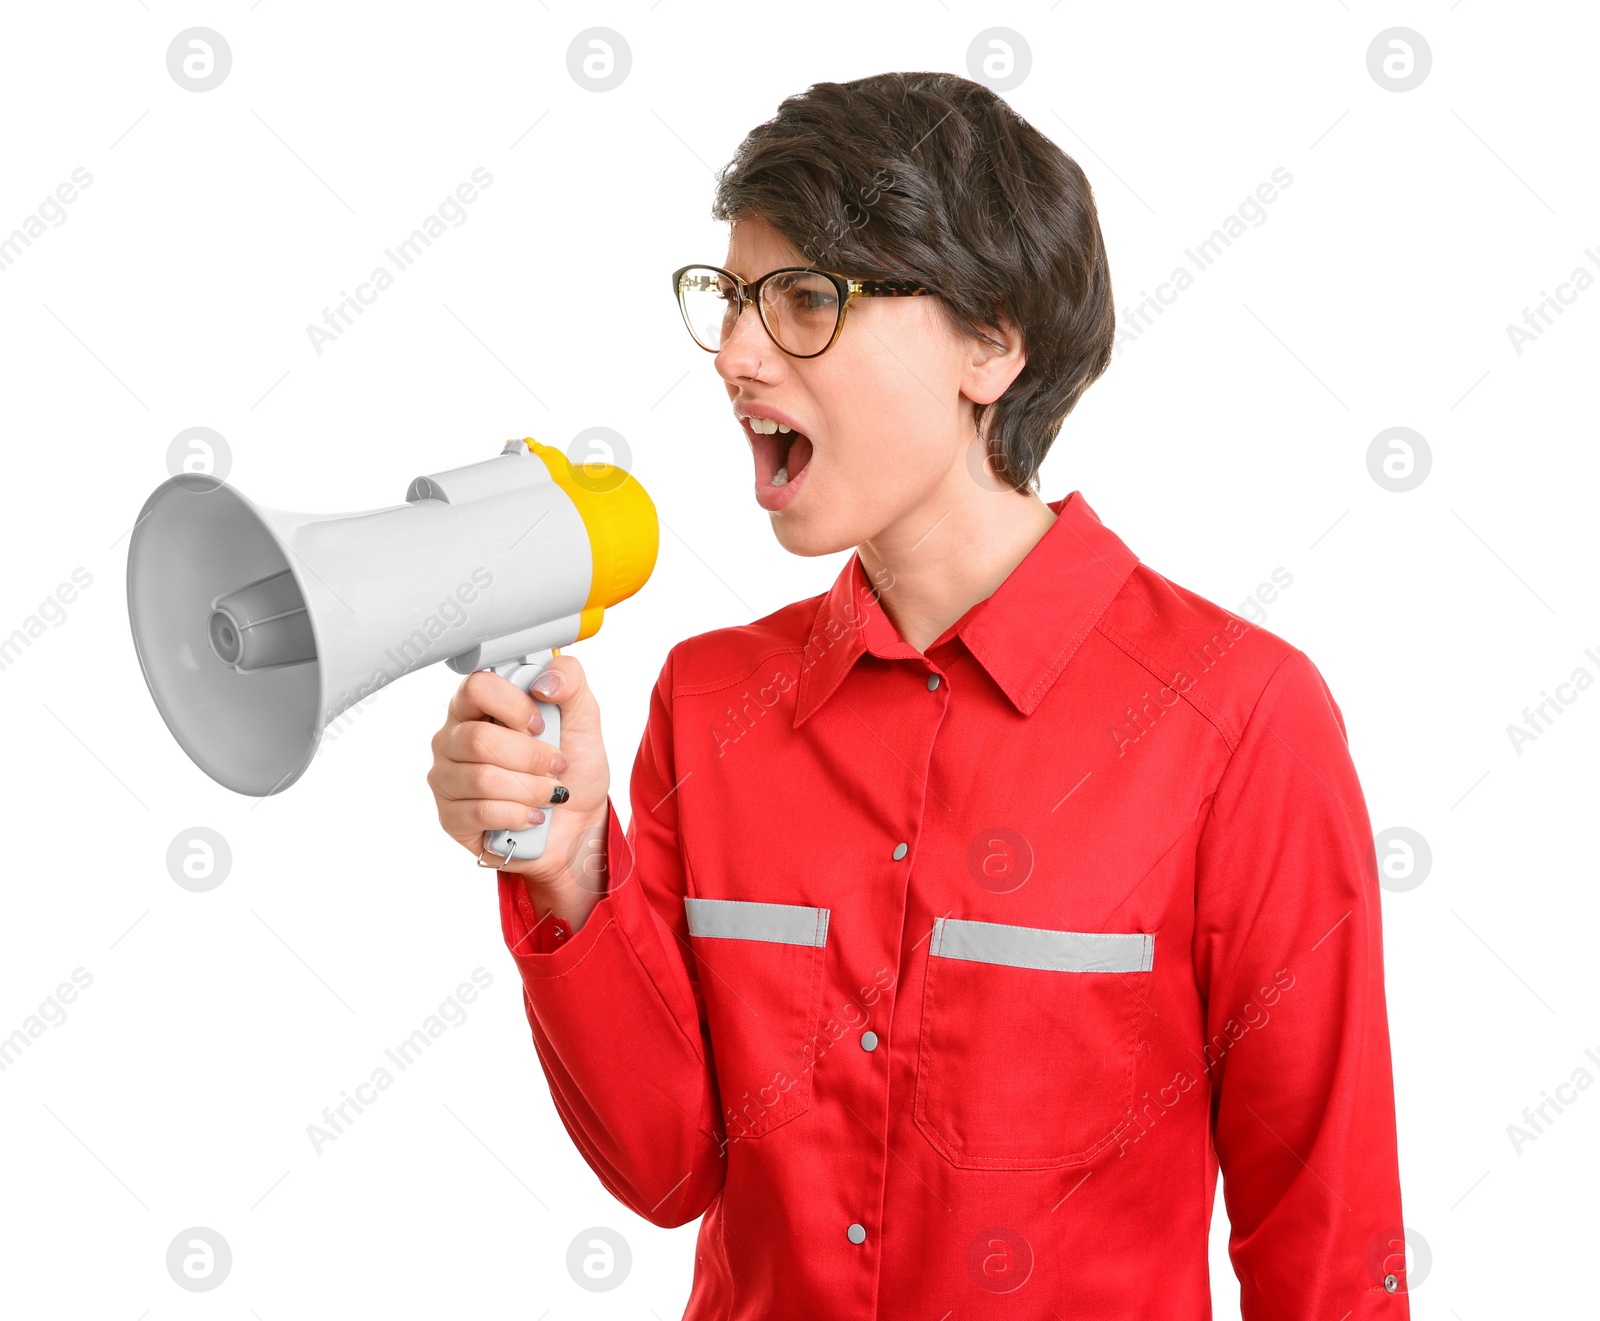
x: 941, y: 983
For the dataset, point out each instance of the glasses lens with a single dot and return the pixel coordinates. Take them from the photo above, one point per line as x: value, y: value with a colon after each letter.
x: 801, y: 309
x: 710, y: 304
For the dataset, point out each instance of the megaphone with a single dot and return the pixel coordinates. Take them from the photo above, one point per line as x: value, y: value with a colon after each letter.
x: 256, y: 627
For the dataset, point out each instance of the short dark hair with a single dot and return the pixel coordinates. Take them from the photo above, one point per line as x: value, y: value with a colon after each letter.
x: 935, y: 178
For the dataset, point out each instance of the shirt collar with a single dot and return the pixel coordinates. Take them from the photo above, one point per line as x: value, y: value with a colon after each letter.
x: 1023, y: 634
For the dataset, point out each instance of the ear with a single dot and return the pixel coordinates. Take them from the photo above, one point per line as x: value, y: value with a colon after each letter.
x: 993, y: 362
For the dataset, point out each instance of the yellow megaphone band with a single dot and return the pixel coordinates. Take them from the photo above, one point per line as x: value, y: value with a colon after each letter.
x: 624, y: 533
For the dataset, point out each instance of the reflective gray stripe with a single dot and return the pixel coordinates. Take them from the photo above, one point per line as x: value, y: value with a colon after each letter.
x: 739, y: 919
x: 1040, y: 947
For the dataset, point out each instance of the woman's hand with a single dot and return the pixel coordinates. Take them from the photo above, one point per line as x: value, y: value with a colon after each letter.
x: 491, y: 772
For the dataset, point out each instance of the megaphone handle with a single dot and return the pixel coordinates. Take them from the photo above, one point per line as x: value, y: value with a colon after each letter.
x: 529, y: 843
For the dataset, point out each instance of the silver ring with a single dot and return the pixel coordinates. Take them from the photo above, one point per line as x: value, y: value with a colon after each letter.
x: 485, y: 849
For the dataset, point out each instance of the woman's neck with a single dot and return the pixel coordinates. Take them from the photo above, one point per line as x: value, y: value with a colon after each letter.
x: 933, y: 565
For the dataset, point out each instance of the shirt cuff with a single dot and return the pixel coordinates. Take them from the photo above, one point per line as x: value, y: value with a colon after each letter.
x: 525, y: 931
x: 548, y: 943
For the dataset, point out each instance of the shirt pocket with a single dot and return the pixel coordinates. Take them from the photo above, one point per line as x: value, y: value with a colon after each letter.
x: 1027, y: 1049
x: 761, y: 967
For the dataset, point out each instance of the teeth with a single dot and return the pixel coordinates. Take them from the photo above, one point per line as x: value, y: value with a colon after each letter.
x: 766, y: 426
x: 781, y: 477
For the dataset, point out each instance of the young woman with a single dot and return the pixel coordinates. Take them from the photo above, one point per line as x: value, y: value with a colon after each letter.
x: 971, y: 912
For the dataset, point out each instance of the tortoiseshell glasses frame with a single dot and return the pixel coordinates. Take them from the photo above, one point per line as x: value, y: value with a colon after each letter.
x: 845, y: 287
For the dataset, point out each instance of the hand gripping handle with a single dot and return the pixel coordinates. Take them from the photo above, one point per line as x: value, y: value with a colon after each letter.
x: 507, y: 845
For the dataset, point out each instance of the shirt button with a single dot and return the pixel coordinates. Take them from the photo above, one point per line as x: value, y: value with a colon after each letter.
x: 856, y: 1233
x: 899, y: 852
x: 869, y: 1041
x: 1390, y: 1283
x: 933, y: 682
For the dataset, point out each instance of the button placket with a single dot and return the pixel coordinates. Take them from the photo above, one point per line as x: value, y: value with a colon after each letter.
x: 870, y: 1040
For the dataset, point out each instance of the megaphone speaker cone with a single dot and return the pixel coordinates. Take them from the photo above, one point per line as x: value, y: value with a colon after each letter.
x: 197, y: 543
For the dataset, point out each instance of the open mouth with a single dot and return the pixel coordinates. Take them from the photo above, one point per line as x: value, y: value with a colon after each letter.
x: 781, y: 460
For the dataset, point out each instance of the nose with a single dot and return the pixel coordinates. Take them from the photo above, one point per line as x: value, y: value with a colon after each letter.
x: 747, y: 348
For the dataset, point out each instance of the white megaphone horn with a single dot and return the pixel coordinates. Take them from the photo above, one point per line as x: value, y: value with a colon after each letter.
x: 256, y: 627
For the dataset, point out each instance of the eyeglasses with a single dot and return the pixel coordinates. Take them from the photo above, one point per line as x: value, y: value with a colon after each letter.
x: 801, y: 307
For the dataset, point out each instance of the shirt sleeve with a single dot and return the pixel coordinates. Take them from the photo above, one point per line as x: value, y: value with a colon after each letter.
x: 526, y: 932
x: 615, y: 1008
x: 1289, y: 959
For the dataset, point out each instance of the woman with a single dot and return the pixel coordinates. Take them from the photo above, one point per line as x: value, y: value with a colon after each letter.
x: 971, y: 912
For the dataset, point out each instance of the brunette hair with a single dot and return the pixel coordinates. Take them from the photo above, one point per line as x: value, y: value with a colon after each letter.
x: 934, y: 178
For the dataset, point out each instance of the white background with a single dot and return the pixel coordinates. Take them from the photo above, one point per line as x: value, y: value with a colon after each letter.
x: 1228, y: 440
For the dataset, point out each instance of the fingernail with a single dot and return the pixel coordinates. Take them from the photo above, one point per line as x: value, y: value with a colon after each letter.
x: 547, y: 683
x: 560, y: 794
x: 535, y: 817
x: 558, y: 763
x: 536, y: 722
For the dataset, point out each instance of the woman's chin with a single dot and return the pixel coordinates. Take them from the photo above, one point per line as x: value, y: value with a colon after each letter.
x: 811, y: 528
